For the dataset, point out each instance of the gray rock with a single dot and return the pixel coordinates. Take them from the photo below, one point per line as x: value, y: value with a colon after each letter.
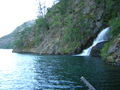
x: 96, y: 49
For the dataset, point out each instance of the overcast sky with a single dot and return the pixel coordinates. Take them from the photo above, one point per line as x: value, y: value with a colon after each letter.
x: 15, y: 12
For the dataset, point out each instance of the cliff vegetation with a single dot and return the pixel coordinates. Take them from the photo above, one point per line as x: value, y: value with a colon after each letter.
x: 70, y: 26
x: 67, y: 28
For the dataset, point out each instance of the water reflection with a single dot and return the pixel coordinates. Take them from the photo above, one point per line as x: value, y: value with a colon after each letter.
x: 7, y: 63
x: 33, y: 72
x: 16, y: 71
x: 50, y: 74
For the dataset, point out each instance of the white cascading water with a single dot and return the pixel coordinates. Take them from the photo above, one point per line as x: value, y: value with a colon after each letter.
x: 102, y: 37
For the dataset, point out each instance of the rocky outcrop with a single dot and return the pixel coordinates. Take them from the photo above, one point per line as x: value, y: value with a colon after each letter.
x: 114, y: 51
x: 96, y: 50
x: 70, y: 26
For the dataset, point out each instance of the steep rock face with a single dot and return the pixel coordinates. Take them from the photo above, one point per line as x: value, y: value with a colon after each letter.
x: 114, y: 51
x: 111, y: 50
x: 70, y: 27
x: 96, y: 49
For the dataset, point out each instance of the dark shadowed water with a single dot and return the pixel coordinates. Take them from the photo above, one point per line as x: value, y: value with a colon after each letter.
x: 33, y: 72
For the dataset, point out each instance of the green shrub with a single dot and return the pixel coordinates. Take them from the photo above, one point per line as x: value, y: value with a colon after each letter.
x: 72, y: 35
x: 104, y: 50
x: 41, y: 22
x: 114, y: 32
x: 115, y: 24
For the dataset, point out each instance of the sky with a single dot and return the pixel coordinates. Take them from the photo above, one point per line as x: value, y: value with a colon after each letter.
x: 15, y: 12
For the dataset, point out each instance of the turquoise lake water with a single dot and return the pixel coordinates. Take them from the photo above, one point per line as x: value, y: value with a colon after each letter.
x: 47, y: 72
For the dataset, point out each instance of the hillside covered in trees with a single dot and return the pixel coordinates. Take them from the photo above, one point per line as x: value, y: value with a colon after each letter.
x: 71, y: 26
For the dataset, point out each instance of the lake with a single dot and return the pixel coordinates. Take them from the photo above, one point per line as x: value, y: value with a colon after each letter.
x: 47, y: 72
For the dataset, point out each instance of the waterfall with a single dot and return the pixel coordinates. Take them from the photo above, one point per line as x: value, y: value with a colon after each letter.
x: 102, y: 37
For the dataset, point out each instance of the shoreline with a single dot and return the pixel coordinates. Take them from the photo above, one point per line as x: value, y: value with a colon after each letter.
x: 36, y: 53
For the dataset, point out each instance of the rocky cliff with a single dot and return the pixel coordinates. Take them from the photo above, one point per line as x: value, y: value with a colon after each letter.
x: 67, y: 28
x: 114, y: 51
x: 70, y: 26
x: 111, y: 50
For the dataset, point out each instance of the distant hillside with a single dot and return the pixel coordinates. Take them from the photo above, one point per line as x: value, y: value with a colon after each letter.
x: 8, y: 41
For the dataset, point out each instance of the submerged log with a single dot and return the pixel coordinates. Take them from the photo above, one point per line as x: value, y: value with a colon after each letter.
x: 90, y: 87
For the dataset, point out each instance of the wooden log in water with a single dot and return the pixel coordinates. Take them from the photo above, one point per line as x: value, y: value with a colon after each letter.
x: 87, y: 83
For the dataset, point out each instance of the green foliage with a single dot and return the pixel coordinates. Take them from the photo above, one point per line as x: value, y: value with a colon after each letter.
x: 114, y: 32
x: 72, y: 35
x: 63, y: 6
x: 22, y: 40
x: 56, y: 22
x: 37, y: 40
x: 115, y: 24
x: 111, y: 7
x: 41, y: 22
x: 112, y: 19
x: 74, y: 25
x: 68, y: 21
x: 40, y: 27
x: 104, y: 50
x: 31, y: 36
x: 75, y: 31
x: 19, y: 43
x: 70, y: 47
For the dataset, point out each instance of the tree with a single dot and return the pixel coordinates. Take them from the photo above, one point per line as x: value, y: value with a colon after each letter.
x: 42, y: 9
